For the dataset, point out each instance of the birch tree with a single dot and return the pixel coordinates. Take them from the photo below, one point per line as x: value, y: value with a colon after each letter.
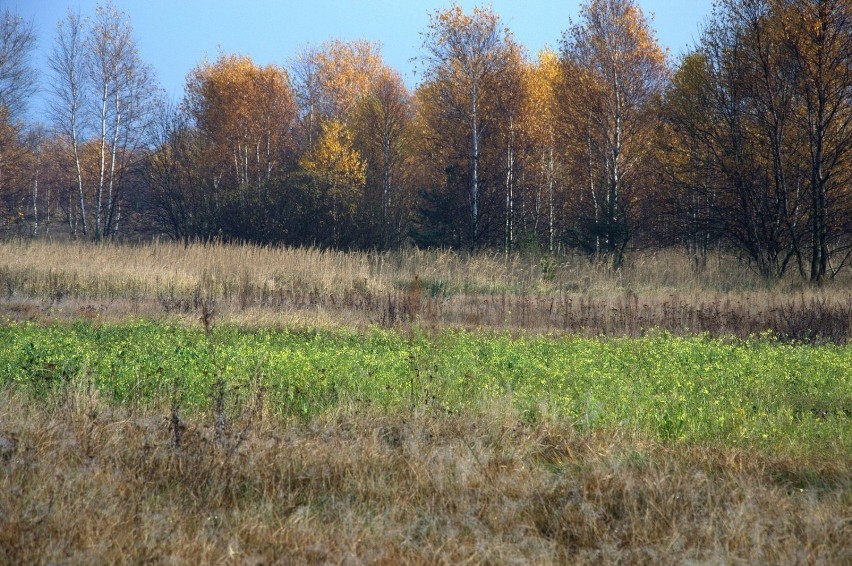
x: 623, y: 71
x: 330, y: 80
x: 68, y: 89
x: 125, y: 98
x: 461, y: 53
x: 819, y: 35
x: 540, y: 120
x: 349, y: 99
x: 17, y: 84
x: 103, y: 94
x: 382, y: 130
x: 17, y: 76
x: 246, y: 112
x: 342, y: 173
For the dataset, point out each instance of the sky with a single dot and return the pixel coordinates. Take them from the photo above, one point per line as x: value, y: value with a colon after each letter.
x: 175, y: 35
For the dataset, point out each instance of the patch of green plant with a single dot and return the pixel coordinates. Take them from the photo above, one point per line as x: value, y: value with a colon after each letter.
x: 760, y: 392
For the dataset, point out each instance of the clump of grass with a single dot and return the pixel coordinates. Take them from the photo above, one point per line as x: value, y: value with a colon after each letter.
x: 89, y: 482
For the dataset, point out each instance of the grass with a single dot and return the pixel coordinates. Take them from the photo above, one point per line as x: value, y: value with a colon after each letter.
x: 87, y: 482
x: 417, y: 407
x: 310, y: 288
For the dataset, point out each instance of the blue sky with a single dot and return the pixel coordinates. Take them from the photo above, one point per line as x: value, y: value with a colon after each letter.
x: 174, y: 35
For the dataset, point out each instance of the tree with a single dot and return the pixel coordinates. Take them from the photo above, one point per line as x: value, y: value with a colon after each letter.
x: 342, y: 173
x: 731, y: 109
x: 17, y: 84
x: 177, y: 202
x: 344, y: 86
x: 382, y: 130
x: 13, y: 166
x: 542, y: 81
x: 461, y: 53
x: 69, y: 100
x: 102, y: 93
x: 246, y: 112
x: 330, y: 80
x: 618, y: 72
x: 243, y: 115
x: 819, y: 35
x: 123, y: 92
x: 17, y: 77
x: 762, y: 130
x: 684, y: 160
x: 35, y: 142
x: 509, y: 88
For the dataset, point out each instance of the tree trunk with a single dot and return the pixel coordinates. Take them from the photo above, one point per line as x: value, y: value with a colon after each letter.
x: 474, y: 182
x: 550, y: 180
x: 510, y: 164
x: 101, y: 166
x: 110, y: 191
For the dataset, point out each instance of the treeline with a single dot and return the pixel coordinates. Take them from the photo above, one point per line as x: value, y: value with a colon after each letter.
x: 600, y: 146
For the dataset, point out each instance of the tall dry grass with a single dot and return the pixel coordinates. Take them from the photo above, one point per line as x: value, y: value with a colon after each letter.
x: 94, y: 270
x: 85, y: 483
x: 265, y: 286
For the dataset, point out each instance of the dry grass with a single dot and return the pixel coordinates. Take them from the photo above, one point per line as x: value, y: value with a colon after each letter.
x: 85, y: 483
x: 119, y: 271
x: 278, y: 287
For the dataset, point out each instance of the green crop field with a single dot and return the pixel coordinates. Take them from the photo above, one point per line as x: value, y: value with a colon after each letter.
x: 783, y: 397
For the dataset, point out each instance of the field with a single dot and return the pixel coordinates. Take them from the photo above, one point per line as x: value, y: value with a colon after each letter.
x: 216, y: 403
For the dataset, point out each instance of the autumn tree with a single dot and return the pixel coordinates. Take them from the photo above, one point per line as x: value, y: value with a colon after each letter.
x: 467, y: 59
x: 344, y: 86
x: 509, y: 88
x: 684, y: 159
x: 818, y: 34
x: 103, y: 94
x: 17, y: 84
x: 540, y: 122
x: 342, y: 174
x: 733, y: 148
x: 329, y: 80
x: 38, y: 193
x: 17, y: 76
x: 760, y: 117
x: 68, y: 104
x: 14, y: 163
x: 124, y: 95
x: 234, y: 146
x: 382, y: 124
x: 178, y: 200
x: 615, y: 72
x: 770, y: 87
x: 246, y: 112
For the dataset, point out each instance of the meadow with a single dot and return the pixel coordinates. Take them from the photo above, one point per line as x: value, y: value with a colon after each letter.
x: 257, y: 405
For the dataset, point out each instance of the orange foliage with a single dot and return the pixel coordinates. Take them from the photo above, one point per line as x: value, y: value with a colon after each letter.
x: 246, y: 111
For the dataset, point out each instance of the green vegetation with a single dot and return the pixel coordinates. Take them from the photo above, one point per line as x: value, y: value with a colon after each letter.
x: 795, y: 399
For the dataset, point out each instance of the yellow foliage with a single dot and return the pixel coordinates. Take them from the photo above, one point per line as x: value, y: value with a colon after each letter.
x: 335, y: 159
x: 541, y: 82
